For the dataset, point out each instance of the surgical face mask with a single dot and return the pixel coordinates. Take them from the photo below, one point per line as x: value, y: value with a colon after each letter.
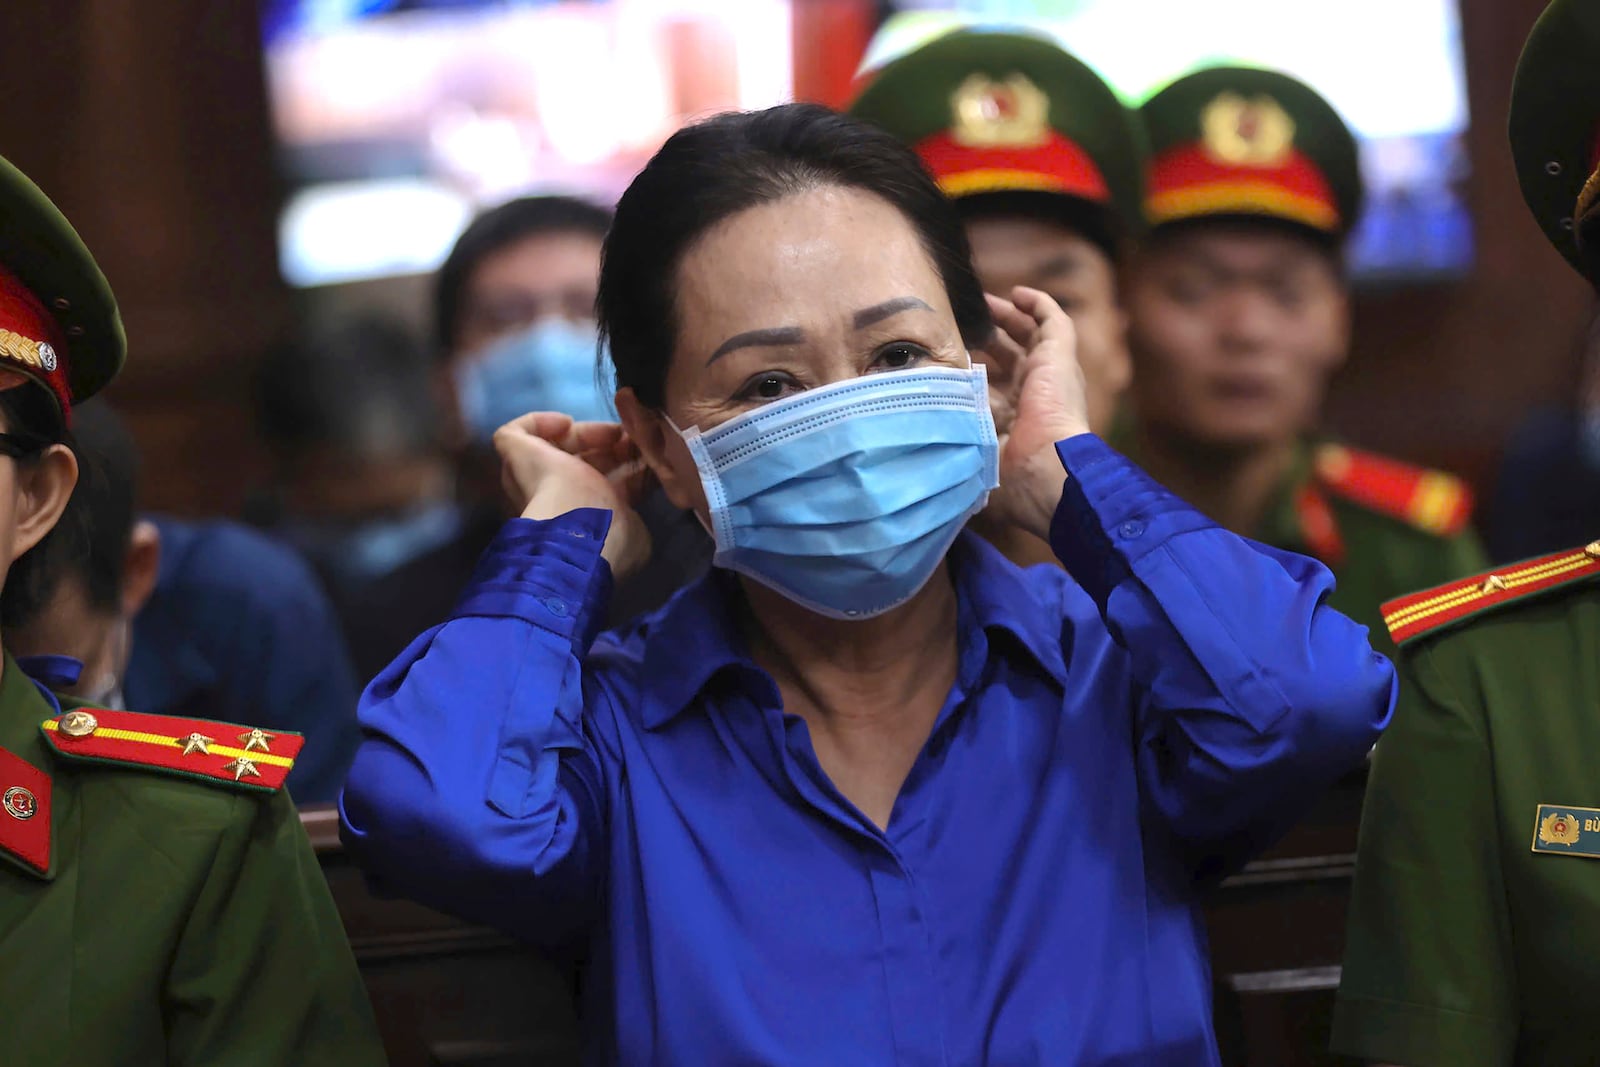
x: 550, y: 366
x: 846, y: 498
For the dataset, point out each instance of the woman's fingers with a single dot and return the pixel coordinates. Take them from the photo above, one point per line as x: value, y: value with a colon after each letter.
x: 1014, y: 322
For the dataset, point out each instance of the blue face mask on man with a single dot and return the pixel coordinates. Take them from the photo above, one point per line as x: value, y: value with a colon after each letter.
x: 846, y: 498
x: 549, y: 366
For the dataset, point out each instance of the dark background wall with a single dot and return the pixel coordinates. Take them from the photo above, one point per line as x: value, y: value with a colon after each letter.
x: 147, y: 123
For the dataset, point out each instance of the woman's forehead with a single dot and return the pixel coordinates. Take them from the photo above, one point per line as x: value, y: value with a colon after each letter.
x: 820, y: 252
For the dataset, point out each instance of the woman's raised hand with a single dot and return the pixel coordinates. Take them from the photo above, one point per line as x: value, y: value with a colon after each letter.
x: 551, y: 465
x: 1037, y: 392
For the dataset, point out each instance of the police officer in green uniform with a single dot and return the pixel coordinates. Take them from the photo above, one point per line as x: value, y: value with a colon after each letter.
x: 1045, y: 164
x: 1239, y: 317
x: 159, y: 899
x: 1474, y: 939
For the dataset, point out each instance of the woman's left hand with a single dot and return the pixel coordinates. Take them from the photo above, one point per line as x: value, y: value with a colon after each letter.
x: 1037, y: 392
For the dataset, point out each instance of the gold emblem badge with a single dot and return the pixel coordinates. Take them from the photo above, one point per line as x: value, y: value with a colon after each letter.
x: 1592, y: 550
x: 1559, y: 828
x: 79, y: 724
x: 254, y: 739
x: 241, y: 768
x: 1247, y: 133
x: 1013, y: 113
x: 195, y: 743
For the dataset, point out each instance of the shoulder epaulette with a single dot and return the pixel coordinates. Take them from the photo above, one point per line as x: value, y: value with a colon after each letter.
x: 1410, y: 617
x: 220, y: 752
x: 1430, y: 500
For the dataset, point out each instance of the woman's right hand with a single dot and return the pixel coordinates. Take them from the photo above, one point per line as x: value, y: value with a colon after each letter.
x: 551, y: 465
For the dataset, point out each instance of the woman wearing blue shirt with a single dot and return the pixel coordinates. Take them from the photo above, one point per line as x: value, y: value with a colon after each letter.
x: 868, y: 793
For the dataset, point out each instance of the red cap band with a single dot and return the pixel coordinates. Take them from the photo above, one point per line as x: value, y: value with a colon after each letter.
x: 1187, y: 182
x: 31, y: 340
x: 1056, y: 165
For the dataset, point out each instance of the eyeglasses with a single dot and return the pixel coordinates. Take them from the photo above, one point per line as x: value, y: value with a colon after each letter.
x: 20, y: 445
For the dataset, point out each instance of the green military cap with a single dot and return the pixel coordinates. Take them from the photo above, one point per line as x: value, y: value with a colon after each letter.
x: 1242, y: 141
x: 1555, y: 129
x: 59, y: 324
x: 1001, y: 114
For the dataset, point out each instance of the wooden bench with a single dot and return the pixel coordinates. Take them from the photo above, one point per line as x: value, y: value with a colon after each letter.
x: 447, y: 994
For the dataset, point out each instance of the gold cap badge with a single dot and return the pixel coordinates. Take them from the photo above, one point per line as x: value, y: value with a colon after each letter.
x: 1247, y: 133
x: 1013, y: 113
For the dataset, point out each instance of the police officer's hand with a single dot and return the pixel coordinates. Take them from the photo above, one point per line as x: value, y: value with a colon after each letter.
x: 551, y: 465
x: 1037, y: 394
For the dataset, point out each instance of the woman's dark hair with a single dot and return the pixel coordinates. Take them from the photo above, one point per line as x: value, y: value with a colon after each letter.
x: 715, y: 169
x: 498, y: 229
x: 31, y: 411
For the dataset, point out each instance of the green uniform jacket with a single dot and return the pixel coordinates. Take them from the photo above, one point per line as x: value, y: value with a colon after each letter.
x: 1384, y: 528
x: 180, y: 922
x: 1466, y: 946
x: 1377, y: 550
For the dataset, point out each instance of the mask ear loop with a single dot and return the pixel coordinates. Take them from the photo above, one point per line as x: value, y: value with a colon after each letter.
x: 711, y: 484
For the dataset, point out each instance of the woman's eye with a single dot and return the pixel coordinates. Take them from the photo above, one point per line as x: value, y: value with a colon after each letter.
x: 767, y: 387
x: 901, y: 355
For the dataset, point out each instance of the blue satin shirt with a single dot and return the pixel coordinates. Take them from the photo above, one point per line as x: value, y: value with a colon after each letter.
x: 1112, y: 745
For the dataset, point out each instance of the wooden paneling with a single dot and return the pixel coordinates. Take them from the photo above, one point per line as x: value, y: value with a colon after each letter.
x: 147, y: 124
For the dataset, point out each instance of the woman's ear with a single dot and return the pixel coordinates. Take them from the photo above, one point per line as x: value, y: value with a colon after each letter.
x: 663, y: 451
x: 44, y: 486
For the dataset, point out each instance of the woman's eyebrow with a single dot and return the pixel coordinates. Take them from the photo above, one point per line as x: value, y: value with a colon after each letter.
x: 774, y: 335
x: 878, y: 312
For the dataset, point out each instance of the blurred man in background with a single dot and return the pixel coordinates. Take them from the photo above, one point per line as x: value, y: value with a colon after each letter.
x: 515, y: 331
x: 1241, y: 315
x: 1045, y: 164
x: 205, y: 620
x: 364, y: 481
x: 1547, y: 494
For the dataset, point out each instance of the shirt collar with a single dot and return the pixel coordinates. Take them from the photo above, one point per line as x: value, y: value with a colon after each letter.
x: 700, y: 631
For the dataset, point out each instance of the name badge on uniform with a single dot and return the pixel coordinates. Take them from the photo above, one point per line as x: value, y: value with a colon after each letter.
x: 1567, y: 831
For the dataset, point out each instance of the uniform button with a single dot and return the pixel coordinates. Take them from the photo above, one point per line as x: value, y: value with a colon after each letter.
x: 79, y: 724
x: 1592, y: 550
x: 63, y: 304
x: 556, y: 607
x: 1131, y: 529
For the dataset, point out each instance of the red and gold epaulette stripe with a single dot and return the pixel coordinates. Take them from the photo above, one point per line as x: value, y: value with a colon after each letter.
x: 235, y: 755
x: 1419, y: 613
x: 1430, y: 500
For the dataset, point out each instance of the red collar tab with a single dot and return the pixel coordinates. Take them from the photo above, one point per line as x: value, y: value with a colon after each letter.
x: 31, y: 341
x: 24, y: 813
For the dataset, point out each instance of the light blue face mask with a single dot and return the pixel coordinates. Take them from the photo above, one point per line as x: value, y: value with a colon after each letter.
x: 547, y: 367
x: 846, y: 498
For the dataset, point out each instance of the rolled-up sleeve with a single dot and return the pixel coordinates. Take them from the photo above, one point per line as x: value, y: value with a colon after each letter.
x: 479, y: 780
x: 1254, y: 695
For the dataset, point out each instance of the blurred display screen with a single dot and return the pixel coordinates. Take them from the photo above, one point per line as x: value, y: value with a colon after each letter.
x: 398, y: 119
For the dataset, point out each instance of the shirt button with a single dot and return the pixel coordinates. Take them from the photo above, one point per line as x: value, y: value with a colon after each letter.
x: 556, y: 607
x: 1131, y: 529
